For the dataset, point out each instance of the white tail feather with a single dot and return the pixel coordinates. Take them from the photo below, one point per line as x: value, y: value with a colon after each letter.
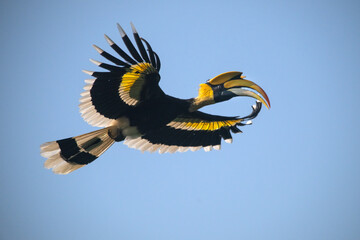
x: 92, y: 144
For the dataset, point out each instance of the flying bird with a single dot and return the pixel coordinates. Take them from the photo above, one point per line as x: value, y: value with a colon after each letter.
x: 128, y: 104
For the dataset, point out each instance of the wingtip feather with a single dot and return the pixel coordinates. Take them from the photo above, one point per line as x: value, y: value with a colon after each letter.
x: 88, y: 72
x: 95, y: 62
x: 110, y: 42
x: 121, y: 30
x: 133, y: 28
x: 99, y: 50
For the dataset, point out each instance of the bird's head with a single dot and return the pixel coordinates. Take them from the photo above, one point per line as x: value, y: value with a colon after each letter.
x: 226, y: 86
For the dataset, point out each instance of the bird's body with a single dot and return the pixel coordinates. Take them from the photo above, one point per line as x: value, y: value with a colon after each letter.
x: 128, y: 103
x: 157, y: 112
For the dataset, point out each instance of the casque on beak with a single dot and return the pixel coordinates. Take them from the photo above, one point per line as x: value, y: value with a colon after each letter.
x: 232, y: 84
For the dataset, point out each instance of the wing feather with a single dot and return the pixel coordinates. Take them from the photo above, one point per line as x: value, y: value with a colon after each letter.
x: 139, y: 44
x: 151, y: 53
x: 129, y: 44
x: 110, y: 57
x: 119, y: 51
x: 123, y: 85
x: 158, y: 63
x: 193, y: 131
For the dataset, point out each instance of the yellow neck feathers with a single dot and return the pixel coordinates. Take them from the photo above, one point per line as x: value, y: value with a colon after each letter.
x: 205, y: 97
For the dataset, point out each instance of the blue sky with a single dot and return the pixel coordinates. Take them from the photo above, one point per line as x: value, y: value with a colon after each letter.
x: 293, y: 174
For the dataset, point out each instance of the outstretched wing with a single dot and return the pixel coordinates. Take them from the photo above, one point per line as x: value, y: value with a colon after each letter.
x: 192, y: 131
x: 127, y: 82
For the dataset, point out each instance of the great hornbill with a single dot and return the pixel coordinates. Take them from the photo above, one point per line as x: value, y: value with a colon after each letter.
x: 128, y: 103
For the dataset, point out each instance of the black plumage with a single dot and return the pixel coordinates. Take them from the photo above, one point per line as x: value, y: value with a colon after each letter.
x: 128, y: 103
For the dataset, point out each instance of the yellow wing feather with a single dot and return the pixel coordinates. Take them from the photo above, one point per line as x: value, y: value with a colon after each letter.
x: 199, y: 124
x: 133, y: 81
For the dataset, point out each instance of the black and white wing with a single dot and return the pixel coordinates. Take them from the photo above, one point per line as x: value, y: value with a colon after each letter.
x: 126, y: 83
x: 192, y: 131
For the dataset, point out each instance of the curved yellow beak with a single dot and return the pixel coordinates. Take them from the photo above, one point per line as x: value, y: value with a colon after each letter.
x: 224, y: 77
x: 234, y: 82
x: 236, y: 85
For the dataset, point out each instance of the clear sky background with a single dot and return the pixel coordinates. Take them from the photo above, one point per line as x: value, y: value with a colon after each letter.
x: 293, y: 174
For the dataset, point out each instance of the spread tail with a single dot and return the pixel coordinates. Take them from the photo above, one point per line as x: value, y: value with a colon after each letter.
x: 69, y: 154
